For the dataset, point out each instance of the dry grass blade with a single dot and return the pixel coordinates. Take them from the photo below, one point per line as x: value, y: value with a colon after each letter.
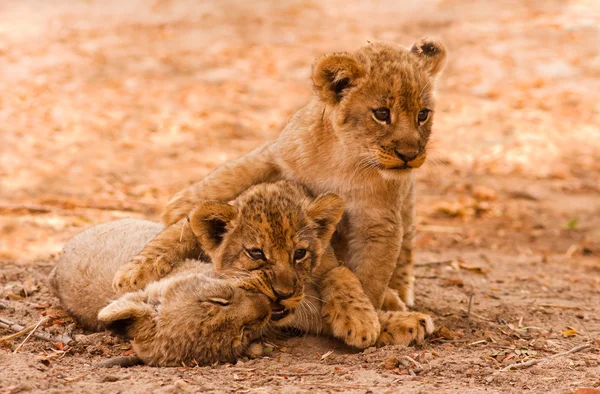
x: 5, y: 323
x: 42, y: 321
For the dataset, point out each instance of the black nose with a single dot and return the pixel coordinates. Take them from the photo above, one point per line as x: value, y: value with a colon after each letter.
x: 282, y: 295
x: 406, y: 155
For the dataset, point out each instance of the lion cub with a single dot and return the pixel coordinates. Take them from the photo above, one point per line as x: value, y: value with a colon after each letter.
x: 280, y: 232
x: 361, y: 136
x: 193, y: 317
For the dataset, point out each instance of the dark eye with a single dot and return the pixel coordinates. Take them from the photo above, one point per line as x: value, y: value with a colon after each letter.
x: 256, y: 254
x: 299, y: 254
x: 382, y: 114
x: 423, y: 116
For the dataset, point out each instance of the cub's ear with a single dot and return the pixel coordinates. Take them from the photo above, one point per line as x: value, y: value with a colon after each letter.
x: 129, y: 315
x: 326, y: 210
x: 432, y: 53
x: 334, y: 74
x: 210, y: 221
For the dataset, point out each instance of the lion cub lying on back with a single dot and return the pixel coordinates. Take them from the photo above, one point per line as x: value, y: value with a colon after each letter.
x: 278, y: 231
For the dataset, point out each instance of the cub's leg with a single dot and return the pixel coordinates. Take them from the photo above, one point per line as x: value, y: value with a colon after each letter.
x: 174, y: 244
x: 347, y: 310
x: 224, y: 184
x: 403, y: 328
x: 403, y: 278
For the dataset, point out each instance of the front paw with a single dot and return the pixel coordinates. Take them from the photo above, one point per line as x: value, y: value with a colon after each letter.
x: 137, y: 273
x: 404, y: 328
x: 356, y: 325
x: 392, y: 301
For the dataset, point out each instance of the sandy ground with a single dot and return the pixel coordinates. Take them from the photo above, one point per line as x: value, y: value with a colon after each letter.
x: 109, y: 107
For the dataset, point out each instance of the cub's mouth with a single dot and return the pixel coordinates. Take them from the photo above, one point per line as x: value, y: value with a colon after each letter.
x: 278, y: 311
x: 387, y: 161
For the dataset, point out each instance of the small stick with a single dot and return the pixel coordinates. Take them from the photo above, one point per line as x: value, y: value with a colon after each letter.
x: 559, y: 306
x: 441, y: 262
x: 476, y: 315
x: 469, y: 314
x: 121, y: 361
x: 17, y: 334
x: 65, y: 339
x: 42, y: 320
x: 415, y: 362
x: 540, y: 360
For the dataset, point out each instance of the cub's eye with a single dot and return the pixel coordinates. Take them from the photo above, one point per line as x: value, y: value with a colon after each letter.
x: 220, y: 301
x: 299, y: 254
x: 423, y: 116
x: 256, y: 254
x: 382, y: 114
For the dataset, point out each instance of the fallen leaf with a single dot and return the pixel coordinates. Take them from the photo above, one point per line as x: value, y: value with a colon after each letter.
x: 569, y: 332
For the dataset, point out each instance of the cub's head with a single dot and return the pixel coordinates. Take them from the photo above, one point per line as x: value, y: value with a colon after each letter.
x: 379, y: 101
x: 275, y: 230
x: 190, y: 319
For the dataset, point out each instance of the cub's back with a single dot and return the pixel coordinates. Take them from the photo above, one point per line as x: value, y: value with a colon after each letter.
x: 83, y: 276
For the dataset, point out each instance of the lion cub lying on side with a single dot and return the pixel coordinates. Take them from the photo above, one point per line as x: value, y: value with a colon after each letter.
x: 279, y: 231
x: 192, y: 317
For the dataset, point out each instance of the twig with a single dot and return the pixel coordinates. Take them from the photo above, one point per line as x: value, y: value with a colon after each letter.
x: 469, y: 314
x: 475, y: 315
x: 65, y: 339
x: 441, y: 262
x: 560, y: 306
x: 540, y: 360
x: 415, y: 363
x: 121, y: 361
x: 17, y: 334
x: 42, y: 320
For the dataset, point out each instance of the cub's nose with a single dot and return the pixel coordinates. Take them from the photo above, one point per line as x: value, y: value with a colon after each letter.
x: 406, y: 156
x: 283, y: 294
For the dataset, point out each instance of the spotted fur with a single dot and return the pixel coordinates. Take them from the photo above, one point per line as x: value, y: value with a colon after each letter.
x: 278, y: 219
x: 336, y: 144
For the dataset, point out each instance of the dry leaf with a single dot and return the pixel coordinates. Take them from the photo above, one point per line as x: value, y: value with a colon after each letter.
x: 326, y: 355
x: 569, y: 332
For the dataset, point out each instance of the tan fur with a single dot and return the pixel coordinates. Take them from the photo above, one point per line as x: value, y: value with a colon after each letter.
x: 279, y: 219
x: 336, y: 144
x: 192, y: 317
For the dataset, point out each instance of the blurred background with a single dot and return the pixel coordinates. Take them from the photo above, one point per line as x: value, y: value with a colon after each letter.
x: 107, y: 108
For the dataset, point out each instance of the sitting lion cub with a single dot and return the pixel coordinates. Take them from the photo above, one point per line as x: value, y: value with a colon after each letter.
x: 278, y: 231
x: 192, y: 317
x: 362, y: 135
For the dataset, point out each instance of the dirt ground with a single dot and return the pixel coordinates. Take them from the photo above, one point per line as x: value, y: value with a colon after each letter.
x: 110, y: 107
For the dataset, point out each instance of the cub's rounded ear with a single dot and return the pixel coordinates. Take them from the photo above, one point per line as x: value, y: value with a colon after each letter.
x: 334, y: 74
x: 432, y: 53
x: 128, y: 315
x: 210, y: 221
x: 326, y: 211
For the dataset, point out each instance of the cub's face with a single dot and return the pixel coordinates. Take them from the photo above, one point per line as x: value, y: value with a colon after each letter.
x: 380, y: 101
x: 190, y: 319
x: 273, y: 230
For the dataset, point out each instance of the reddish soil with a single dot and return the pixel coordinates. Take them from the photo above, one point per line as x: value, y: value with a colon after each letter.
x: 108, y: 108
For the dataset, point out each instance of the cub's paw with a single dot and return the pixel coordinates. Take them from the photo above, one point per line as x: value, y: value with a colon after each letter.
x: 356, y: 324
x: 392, y: 301
x: 403, y: 328
x: 137, y: 273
